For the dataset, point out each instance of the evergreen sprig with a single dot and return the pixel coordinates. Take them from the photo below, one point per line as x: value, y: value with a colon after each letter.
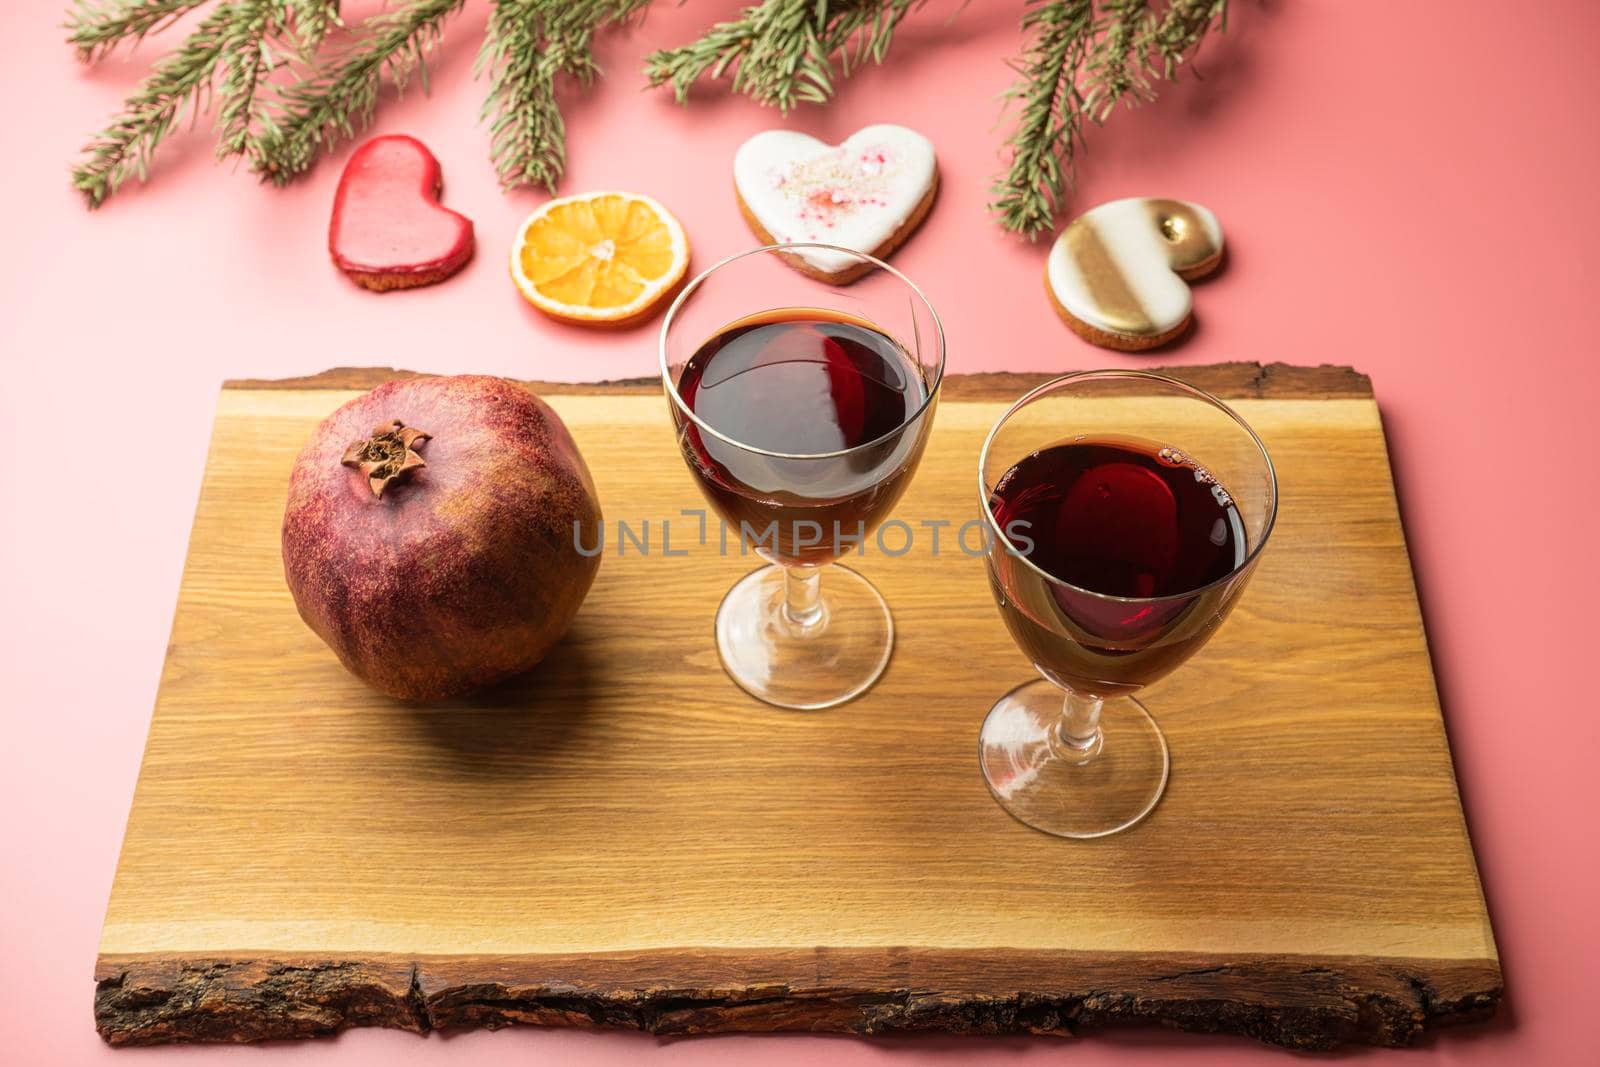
x: 312, y: 114
x: 1047, y: 133
x: 1182, y: 28
x: 229, y: 36
x: 247, y: 57
x: 97, y: 27
x: 529, y: 44
x: 312, y: 21
x: 1084, y: 59
x: 781, y: 52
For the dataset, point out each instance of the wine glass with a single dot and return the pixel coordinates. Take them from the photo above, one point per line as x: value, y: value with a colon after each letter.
x: 802, y: 408
x: 1126, y: 512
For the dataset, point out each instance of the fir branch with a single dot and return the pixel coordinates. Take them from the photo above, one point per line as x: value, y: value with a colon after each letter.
x: 1084, y: 57
x: 528, y: 45
x: 97, y: 27
x: 1047, y: 135
x: 236, y: 40
x: 124, y: 149
x: 1125, y: 26
x: 247, y: 56
x: 311, y: 115
x: 1181, y: 30
x: 1079, y: 66
x: 781, y: 52
x: 312, y: 21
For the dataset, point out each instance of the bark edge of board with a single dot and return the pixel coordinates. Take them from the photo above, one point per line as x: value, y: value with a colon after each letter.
x: 1298, y: 1002
x: 1229, y: 381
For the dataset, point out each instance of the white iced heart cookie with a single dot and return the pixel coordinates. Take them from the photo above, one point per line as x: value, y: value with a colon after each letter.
x: 867, y: 194
x: 1117, y: 274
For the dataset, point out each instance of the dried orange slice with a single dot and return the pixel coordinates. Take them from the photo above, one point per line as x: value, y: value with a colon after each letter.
x: 602, y: 259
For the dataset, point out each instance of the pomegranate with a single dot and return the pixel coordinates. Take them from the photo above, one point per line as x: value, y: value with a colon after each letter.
x: 429, y: 537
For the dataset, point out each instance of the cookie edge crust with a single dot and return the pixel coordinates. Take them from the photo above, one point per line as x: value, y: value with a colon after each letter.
x: 379, y: 281
x: 1131, y: 342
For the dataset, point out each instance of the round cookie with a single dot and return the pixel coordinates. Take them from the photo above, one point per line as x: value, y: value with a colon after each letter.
x: 868, y: 194
x: 1118, y: 273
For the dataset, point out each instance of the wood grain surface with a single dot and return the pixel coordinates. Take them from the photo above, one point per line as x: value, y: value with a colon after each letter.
x: 624, y: 838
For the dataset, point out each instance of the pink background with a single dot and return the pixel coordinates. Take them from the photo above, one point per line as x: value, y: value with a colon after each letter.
x: 1408, y: 188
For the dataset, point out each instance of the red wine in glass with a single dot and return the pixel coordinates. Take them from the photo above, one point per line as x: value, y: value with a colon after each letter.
x: 794, y: 395
x: 1141, y: 546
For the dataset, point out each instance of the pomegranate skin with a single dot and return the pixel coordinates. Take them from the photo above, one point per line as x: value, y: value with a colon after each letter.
x: 465, y: 571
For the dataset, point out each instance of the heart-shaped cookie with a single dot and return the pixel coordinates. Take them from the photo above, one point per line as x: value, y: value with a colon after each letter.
x: 389, y: 230
x: 1119, y: 273
x: 867, y: 194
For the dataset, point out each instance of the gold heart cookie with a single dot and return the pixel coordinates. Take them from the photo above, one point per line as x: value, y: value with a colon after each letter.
x: 1119, y: 273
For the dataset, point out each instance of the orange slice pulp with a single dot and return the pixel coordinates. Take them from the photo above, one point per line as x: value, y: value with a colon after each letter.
x: 599, y: 258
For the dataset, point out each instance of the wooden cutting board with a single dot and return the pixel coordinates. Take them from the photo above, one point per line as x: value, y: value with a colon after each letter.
x: 624, y: 838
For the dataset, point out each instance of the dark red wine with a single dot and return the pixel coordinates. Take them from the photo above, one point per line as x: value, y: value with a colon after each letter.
x: 1122, y: 518
x: 805, y: 383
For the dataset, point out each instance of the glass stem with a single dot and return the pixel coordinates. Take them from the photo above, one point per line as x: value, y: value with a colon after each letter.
x: 802, y: 599
x: 1077, y: 735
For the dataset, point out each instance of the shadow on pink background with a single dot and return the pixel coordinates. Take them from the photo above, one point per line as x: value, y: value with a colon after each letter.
x: 1406, y: 188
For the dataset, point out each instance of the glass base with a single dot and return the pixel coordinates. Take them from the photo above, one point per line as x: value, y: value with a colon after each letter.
x: 834, y: 658
x: 1051, y: 787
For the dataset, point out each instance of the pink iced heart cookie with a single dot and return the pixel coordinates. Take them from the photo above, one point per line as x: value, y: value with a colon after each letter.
x: 389, y: 230
x: 867, y: 194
